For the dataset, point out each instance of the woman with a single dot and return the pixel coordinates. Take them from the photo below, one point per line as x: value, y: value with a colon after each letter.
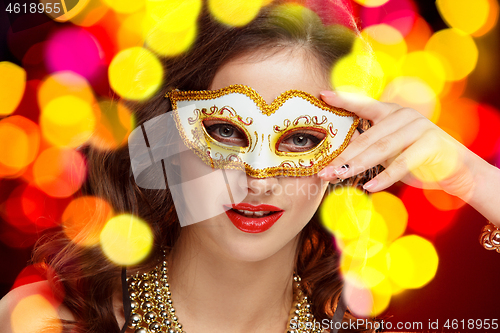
x: 223, y: 276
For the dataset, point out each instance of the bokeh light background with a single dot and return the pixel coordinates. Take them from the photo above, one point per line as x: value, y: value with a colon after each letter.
x: 414, y: 256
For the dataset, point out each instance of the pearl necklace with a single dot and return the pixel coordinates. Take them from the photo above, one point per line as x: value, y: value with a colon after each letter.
x: 153, y: 310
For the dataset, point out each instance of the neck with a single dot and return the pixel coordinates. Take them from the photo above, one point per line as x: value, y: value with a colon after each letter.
x: 215, y: 293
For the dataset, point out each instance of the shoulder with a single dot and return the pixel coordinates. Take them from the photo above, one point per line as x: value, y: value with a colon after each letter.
x: 32, y: 308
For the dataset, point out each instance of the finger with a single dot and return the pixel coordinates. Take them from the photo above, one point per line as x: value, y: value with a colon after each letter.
x: 327, y: 174
x: 345, y: 165
x: 382, y: 149
x: 363, y: 106
x: 411, y: 159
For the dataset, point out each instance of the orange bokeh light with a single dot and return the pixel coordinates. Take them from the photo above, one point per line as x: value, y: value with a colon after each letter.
x: 84, y: 219
x: 442, y: 200
x: 20, y: 139
x: 460, y: 119
x: 418, y: 35
x: 59, y: 172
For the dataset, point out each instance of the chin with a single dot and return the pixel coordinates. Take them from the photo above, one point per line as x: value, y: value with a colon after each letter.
x: 253, y: 247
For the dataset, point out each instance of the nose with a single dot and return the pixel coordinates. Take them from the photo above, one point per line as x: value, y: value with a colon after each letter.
x: 262, y: 186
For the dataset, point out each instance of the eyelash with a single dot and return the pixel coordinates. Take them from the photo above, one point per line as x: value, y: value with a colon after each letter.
x: 212, y: 131
x: 231, y: 141
x: 313, y: 139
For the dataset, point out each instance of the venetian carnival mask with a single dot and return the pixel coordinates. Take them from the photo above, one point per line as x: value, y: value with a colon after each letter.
x: 234, y: 128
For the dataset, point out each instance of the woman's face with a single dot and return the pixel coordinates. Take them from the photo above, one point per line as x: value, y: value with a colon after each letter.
x: 227, y: 234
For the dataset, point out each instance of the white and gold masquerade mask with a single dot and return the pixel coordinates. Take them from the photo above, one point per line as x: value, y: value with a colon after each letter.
x: 234, y: 128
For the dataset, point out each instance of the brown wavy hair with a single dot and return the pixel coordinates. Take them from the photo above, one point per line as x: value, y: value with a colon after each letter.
x: 88, y: 279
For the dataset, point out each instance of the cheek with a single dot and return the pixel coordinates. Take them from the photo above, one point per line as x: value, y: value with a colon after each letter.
x: 305, y: 192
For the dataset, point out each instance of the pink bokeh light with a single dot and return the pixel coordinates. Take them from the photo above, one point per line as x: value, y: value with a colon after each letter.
x: 400, y: 14
x: 74, y: 49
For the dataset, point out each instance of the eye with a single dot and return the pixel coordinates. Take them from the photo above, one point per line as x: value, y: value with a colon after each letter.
x: 225, y: 132
x: 300, y: 140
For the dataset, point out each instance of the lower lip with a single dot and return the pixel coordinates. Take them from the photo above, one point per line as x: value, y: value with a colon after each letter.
x: 253, y: 224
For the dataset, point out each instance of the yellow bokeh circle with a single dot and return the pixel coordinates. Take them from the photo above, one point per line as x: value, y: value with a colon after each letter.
x: 12, y: 85
x: 427, y: 67
x: 359, y: 72
x: 456, y: 50
x: 135, y: 73
x: 413, y: 261
x: 126, y: 239
x: 235, y: 12
x: 386, y: 39
x: 67, y: 121
x: 464, y: 15
x: 372, y: 3
x: 61, y: 84
x: 394, y: 212
x: 346, y: 212
x: 125, y: 6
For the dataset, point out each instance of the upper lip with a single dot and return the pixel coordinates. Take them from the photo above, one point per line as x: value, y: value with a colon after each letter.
x: 257, y: 208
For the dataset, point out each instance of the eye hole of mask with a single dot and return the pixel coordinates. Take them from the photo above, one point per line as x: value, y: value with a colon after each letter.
x: 300, y: 140
x: 225, y: 132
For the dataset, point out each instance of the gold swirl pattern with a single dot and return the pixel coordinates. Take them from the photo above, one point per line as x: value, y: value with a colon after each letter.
x: 490, y: 237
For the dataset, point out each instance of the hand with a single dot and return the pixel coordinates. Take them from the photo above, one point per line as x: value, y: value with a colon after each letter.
x: 411, y: 148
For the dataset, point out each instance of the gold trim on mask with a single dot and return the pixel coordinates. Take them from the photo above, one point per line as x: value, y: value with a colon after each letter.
x: 300, y: 168
x: 267, y: 109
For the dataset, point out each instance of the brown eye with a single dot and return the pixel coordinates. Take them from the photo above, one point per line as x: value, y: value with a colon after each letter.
x: 225, y: 132
x: 300, y: 140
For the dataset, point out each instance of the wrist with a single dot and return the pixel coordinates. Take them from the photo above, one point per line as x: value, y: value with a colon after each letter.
x: 483, y: 194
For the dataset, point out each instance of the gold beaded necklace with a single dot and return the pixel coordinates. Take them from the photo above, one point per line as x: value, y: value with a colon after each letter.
x: 153, y: 310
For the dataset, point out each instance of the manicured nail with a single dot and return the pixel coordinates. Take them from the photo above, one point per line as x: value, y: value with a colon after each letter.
x: 341, y: 170
x: 327, y: 93
x: 326, y: 172
x: 371, y: 184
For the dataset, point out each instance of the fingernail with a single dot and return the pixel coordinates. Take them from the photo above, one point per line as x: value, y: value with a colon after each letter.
x: 341, y: 170
x: 327, y: 93
x: 326, y: 172
x: 371, y: 184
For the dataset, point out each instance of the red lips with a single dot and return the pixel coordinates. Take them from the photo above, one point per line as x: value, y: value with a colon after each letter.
x: 253, y: 224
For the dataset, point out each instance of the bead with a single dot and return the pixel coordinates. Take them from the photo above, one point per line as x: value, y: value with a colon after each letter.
x: 147, y: 306
x: 150, y: 292
x: 155, y: 327
x: 145, y: 295
x: 135, y: 319
x: 150, y: 316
